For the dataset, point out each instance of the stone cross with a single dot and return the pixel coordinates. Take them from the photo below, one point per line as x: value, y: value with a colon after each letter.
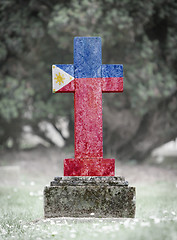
x: 88, y: 78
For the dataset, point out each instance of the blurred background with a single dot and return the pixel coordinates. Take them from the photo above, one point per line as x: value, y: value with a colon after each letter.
x: 37, y: 127
x: 141, y: 35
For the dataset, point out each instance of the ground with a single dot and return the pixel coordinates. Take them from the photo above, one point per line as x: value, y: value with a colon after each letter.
x: 23, y: 176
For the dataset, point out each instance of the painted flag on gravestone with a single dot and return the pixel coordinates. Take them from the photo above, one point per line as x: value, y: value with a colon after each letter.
x: 61, y: 76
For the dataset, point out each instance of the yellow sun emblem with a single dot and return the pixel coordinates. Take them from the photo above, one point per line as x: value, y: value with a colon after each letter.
x: 59, y: 78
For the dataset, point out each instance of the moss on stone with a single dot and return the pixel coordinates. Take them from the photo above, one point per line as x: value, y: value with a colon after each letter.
x: 81, y: 201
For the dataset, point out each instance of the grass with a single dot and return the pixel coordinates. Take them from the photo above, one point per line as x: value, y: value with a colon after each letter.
x: 21, y: 216
x: 21, y: 202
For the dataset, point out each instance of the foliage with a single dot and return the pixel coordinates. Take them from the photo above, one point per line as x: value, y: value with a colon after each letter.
x: 35, y: 34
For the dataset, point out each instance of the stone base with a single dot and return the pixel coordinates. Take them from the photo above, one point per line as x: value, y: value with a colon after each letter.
x: 89, y: 197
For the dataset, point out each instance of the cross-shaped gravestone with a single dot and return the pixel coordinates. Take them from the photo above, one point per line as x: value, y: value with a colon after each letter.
x: 97, y: 196
x: 88, y: 78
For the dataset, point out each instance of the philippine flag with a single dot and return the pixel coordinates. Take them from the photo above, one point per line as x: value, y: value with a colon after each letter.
x: 61, y: 76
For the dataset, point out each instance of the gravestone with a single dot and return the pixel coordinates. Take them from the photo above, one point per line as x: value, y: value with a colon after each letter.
x: 89, y: 187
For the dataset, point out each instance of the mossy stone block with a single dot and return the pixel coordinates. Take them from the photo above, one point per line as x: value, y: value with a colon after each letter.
x: 91, y: 197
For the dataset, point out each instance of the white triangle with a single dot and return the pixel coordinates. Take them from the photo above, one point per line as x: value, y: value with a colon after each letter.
x: 60, y: 78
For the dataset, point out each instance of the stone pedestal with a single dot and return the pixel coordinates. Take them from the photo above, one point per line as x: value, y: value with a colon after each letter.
x: 89, y: 197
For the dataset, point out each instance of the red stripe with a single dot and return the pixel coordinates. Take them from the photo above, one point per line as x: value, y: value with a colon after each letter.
x: 112, y: 84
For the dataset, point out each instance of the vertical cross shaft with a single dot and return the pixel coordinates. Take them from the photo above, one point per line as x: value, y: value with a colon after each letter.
x: 88, y: 98
x: 88, y: 118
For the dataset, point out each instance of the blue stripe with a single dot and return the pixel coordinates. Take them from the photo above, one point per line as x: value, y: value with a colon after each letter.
x: 68, y: 68
x: 112, y: 70
x: 87, y: 57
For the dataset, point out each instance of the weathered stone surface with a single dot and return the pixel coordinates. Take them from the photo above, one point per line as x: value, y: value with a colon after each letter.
x: 88, y: 78
x: 84, y: 181
x: 91, y: 197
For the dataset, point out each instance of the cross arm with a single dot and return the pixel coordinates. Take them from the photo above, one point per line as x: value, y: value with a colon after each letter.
x: 63, y: 78
x: 112, y: 78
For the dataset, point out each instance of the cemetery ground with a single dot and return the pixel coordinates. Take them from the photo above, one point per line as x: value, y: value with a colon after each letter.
x: 24, y: 174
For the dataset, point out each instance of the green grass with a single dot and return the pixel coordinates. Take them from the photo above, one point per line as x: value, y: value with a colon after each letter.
x: 21, y: 216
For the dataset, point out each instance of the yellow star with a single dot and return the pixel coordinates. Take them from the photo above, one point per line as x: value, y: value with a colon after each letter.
x: 59, y: 78
x: 54, y: 90
x: 53, y: 66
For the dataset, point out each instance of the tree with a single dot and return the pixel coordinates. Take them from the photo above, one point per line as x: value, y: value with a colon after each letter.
x: 141, y: 35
